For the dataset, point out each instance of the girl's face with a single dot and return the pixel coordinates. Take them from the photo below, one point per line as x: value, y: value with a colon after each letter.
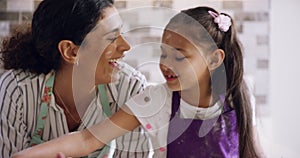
x: 103, y: 46
x: 182, y: 63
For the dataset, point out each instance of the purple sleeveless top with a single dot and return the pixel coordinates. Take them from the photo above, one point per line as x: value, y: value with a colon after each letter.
x: 193, y: 138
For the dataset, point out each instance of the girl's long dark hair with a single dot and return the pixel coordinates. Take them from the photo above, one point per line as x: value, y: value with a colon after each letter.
x: 234, y: 85
x: 34, y: 47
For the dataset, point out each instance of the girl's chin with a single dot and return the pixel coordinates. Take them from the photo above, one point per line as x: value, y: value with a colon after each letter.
x: 173, y: 87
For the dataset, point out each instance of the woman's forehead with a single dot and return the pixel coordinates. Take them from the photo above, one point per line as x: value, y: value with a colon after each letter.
x: 110, y: 20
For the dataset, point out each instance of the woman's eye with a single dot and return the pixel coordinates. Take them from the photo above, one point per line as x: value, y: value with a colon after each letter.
x: 112, y: 39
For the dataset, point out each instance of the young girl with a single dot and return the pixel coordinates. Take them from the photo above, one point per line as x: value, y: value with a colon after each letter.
x: 203, y: 110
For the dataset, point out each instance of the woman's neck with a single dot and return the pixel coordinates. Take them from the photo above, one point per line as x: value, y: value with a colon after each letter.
x: 74, y: 98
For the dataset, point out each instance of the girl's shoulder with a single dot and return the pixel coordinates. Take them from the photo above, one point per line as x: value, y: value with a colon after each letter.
x: 158, y: 90
x: 151, y: 106
x: 154, y: 95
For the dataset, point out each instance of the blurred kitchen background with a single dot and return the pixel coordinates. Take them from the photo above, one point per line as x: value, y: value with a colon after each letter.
x: 263, y: 26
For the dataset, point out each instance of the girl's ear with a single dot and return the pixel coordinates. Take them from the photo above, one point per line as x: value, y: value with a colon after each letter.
x: 68, y: 51
x: 215, y: 59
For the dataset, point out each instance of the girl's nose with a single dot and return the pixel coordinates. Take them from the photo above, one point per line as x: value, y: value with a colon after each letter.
x: 166, y: 62
x: 165, y: 67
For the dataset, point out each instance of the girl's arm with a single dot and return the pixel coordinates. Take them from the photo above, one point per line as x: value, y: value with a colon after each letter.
x: 257, y: 142
x: 78, y: 144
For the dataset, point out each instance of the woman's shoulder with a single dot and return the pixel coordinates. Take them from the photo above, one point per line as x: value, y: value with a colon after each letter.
x: 128, y: 71
x: 20, y: 77
x: 130, y: 80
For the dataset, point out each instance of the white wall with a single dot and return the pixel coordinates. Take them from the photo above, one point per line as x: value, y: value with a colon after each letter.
x: 285, y: 78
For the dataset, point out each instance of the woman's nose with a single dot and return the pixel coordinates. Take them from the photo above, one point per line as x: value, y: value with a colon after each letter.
x: 122, y: 44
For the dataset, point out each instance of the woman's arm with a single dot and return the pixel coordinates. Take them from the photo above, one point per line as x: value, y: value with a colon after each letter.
x: 77, y: 144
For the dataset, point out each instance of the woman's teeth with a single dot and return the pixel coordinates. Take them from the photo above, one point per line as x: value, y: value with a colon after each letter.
x: 113, y: 60
x: 116, y: 63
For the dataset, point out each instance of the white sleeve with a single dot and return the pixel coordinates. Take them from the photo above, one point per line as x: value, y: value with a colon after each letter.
x: 131, y: 82
x: 152, y: 110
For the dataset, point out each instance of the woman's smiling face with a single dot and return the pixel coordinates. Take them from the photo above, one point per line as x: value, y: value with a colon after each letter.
x: 102, y: 47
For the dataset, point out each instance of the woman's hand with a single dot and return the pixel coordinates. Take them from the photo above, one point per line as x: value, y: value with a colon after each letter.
x: 81, y: 143
x: 61, y: 155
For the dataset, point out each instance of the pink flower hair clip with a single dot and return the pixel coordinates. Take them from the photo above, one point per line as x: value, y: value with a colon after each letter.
x: 223, y: 21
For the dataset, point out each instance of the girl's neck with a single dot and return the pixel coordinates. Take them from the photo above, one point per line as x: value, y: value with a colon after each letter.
x: 200, y: 97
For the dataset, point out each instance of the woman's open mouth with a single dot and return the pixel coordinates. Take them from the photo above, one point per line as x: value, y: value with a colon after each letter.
x: 115, y: 63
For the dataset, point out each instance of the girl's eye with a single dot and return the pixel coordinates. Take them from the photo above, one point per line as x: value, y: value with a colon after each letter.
x: 163, y: 56
x: 179, y: 58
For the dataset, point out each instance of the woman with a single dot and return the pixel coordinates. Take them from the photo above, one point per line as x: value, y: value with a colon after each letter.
x: 55, y: 66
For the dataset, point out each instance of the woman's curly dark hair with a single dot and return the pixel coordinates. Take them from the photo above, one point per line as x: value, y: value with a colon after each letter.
x: 18, y: 47
x: 34, y: 47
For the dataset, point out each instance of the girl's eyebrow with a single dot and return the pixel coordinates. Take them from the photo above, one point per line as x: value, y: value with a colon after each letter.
x: 177, y: 49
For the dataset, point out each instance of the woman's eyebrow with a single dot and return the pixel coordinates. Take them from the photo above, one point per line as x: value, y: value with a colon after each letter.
x: 117, y: 29
x: 112, y: 31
